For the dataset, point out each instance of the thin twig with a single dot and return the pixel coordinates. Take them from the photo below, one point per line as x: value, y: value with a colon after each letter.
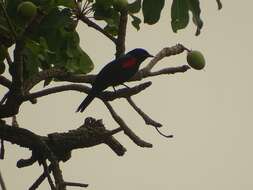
x: 46, y: 171
x: 73, y: 184
x: 165, y: 52
x: 40, y: 179
x: 2, y: 149
x: 137, y: 140
x: 5, y: 82
x: 8, y: 58
x: 144, y: 116
x: 4, y: 98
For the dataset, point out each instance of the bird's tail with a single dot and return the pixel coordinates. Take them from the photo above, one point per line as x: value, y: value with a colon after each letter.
x: 85, y: 102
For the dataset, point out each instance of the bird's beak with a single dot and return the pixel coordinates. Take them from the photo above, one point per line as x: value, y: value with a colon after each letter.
x: 151, y: 55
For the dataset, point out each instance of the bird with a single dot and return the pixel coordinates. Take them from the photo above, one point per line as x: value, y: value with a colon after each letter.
x: 115, y: 73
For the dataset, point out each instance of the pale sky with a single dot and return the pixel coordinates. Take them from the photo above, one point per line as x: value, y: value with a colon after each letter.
x: 209, y: 113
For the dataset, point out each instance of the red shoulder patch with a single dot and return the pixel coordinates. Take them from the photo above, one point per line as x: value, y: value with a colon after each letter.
x: 130, y: 62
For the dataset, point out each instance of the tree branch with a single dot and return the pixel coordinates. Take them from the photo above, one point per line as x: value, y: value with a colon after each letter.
x: 120, y: 45
x: 144, y: 116
x: 137, y: 140
x: 165, y: 52
x: 5, y: 82
x: 90, y: 134
x: 106, y: 95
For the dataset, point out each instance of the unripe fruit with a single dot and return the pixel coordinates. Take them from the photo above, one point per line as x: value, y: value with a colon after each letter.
x: 196, y: 60
x: 120, y: 5
x: 2, y: 67
x: 27, y: 9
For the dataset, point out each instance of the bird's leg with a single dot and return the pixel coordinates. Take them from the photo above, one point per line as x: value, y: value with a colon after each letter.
x: 125, y: 85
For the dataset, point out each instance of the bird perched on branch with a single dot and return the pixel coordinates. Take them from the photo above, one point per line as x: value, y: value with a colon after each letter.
x: 115, y: 73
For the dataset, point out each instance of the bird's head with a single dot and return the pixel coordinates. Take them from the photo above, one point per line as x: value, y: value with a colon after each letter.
x: 140, y: 54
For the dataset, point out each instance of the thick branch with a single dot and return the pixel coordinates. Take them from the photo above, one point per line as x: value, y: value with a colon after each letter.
x: 120, y: 46
x: 90, y: 134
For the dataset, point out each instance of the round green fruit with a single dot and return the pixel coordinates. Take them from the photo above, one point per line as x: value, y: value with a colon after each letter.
x: 2, y: 67
x: 120, y: 5
x: 27, y: 9
x: 196, y: 60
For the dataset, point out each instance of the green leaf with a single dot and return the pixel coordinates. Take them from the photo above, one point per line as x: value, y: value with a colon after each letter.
x: 195, y: 9
x: 65, y: 3
x: 136, y: 21
x: 179, y: 15
x: 134, y: 7
x: 59, y: 43
x: 152, y: 10
x: 112, y: 26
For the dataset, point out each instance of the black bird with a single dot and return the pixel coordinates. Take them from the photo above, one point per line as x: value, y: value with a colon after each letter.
x: 115, y: 73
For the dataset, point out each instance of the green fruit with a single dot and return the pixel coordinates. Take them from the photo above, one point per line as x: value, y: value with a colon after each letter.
x: 196, y: 60
x: 2, y: 67
x: 120, y: 5
x: 27, y: 9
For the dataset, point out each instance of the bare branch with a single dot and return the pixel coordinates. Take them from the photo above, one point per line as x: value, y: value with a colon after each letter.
x: 41, y: 178
x: 73, y: 184
x: 137, y: 140
x: 91, y: 133
x: 165, y: 52
x: 166, y: 71
x: 46, y: 171
x: 108, y: 96
x: 2, y: 149
x: 144, y: 116
x: 8, y: 58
